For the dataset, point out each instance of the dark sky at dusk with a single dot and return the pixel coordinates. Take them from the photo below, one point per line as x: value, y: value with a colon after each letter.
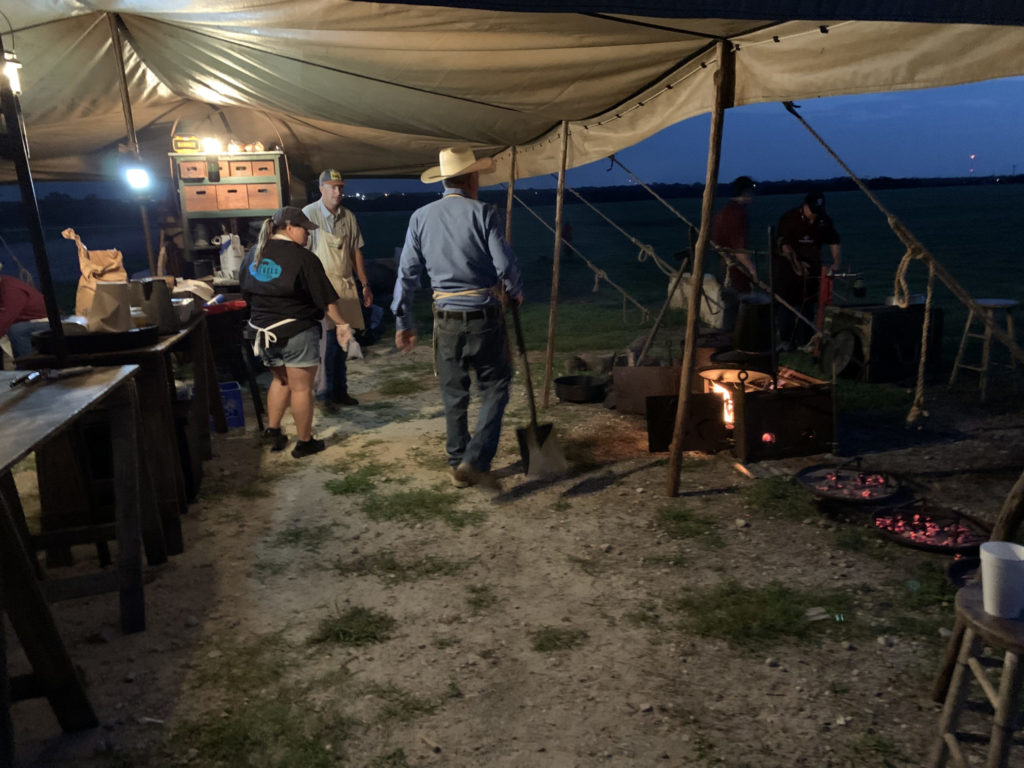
x: 924, y: 133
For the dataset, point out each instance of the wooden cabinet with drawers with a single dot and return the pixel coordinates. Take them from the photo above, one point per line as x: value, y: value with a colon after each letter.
x: 220, y: 193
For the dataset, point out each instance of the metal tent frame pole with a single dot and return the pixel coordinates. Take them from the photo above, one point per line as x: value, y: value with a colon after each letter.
x: 14, y: 145
x: 133, y: 139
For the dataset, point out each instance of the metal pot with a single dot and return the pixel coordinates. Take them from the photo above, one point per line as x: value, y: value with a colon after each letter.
x: 581, y: 389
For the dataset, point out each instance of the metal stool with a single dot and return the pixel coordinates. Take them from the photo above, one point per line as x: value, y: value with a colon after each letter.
x: 979, y: 628
x: 990, y: 307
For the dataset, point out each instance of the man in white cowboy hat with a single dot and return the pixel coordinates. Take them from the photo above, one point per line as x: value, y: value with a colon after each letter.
x: 460, y: 242
x: 338, y: 244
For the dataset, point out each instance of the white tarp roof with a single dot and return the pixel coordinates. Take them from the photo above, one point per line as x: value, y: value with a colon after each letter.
x: 376, y: 89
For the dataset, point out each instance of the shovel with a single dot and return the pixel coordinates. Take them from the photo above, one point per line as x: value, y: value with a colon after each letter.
x: 542, y: 456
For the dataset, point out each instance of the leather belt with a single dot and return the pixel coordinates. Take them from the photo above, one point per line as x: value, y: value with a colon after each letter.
x: 472, y: 314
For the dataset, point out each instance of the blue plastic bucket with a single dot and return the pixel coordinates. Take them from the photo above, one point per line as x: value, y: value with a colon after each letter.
x: 231, y: 396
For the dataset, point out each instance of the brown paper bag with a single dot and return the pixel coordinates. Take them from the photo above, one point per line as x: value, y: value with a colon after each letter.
x: 97, y: 266
x: 111, y: 308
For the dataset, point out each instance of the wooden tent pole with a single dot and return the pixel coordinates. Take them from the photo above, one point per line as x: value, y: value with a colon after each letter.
x: 724, y: 89
x: 510, y: 197
x: 555, y: 261
x: 133, y: 139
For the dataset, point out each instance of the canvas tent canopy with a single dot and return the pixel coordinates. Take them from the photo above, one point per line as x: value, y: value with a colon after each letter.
x: 378, y: 88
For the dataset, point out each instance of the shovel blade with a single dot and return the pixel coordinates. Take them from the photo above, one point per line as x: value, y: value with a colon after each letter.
x: 542, y: 455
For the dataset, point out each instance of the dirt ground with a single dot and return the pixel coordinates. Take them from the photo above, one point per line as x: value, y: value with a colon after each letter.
x: 227, y: 672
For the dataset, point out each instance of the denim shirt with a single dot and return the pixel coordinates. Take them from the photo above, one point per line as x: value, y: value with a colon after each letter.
x: 460, y: 242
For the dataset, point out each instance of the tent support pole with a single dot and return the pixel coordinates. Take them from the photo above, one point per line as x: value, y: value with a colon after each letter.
x: 511, y: 196
x: 555, y: 263
x: 724, y: 90
x: 14, y: 145
x: 129, y: 123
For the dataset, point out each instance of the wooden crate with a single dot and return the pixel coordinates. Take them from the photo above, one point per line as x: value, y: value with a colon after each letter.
x: 264, y: 196
x: 240, y: 167
x: 232, y: 197
x: 200, y: 197
x: 224, y: 167
x: 192, y: 169
x: 264, y: 168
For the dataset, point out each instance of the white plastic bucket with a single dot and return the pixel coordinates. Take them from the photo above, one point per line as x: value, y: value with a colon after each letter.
x: 1002, y: 578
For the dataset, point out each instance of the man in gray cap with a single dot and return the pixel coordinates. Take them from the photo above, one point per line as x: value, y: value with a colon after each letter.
x: 460, y: 242
x: 338, y: 244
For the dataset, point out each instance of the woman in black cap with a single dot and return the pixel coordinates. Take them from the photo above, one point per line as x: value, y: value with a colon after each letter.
x: 288, y: 293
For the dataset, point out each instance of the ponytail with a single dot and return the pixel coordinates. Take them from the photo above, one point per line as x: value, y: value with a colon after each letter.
x: 261, y: 241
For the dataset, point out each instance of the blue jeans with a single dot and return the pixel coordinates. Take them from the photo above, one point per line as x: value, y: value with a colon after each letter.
x: 481, y: 345
x: 335, y: 369
x: 20, y: 335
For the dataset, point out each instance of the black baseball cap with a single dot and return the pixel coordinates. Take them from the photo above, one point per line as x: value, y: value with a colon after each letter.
x: 816, y: 202
x: 289, y: 214
x: 741, y: 185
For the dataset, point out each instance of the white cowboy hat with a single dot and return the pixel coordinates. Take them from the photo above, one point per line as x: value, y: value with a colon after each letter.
x: 456, y: 161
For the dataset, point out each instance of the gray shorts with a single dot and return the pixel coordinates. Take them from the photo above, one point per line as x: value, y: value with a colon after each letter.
x: 300, y: 351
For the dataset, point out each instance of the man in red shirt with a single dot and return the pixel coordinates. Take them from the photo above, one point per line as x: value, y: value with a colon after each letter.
x: 729, y: 232
x: 20, y: 304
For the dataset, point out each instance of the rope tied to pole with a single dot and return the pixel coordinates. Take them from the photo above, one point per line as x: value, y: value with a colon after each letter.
x: 599, y: 274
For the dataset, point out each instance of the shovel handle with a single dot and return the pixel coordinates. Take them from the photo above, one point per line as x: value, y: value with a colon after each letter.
x: 526, y: 363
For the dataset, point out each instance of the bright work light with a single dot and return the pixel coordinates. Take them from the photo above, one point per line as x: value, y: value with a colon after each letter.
x: 137, y: 177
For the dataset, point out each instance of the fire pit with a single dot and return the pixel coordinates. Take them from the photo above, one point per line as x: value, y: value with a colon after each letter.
x: 931, y: 528
x: 849, y: 484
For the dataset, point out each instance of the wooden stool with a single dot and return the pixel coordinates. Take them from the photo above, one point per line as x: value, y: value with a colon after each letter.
x: 989, y: 307
x: 979, y: 628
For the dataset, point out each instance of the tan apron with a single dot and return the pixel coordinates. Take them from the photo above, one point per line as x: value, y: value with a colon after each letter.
x: 336, y: 257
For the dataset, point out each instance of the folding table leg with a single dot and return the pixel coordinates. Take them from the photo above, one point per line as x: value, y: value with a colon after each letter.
x: 30, y: 616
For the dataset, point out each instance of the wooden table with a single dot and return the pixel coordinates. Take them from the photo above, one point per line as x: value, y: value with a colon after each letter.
x: 30, y: 416
x: 157, y: 396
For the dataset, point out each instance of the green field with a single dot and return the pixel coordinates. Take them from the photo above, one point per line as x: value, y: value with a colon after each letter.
x: 975, y: 231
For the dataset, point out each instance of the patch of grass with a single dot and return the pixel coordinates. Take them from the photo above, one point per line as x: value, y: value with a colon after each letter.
x: 561, y: 505
x: 394, y: 759
x: 780, y: 496
x: 557, y: 639
x: 852, y: 539
x: 355, y: 627
x: 420, y: 506
x: 428, y: 457
x: 264, y: 569
x: 755, y: 617
x: 875, y: 749
x: 917, y: 606
x: 309, y: 538
x: 387, y: 565
x: 480, y: 597
x: 399, y: 705
x: 355, y: 481
x: 404, y: 386
x: 273, y: 726
x: 233, y: 666
x: 679, y: 522
x: 445, y: 642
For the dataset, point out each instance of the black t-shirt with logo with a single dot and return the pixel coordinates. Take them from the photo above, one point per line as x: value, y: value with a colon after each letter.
x: 288, y: 282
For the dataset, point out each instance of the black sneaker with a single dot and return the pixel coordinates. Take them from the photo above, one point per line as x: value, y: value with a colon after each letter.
x: 307, y: 447
x: 345, y: 399
x: 276, y: 438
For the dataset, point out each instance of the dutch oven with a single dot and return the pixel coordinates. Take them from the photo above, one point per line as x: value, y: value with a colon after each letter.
x: 581, y: 388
